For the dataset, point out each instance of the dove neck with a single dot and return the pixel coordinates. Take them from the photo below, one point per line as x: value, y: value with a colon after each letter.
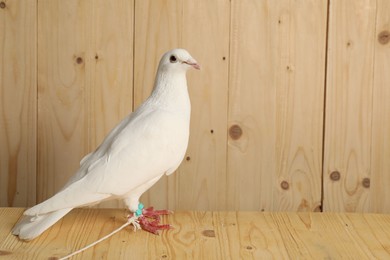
x: 170, y: 92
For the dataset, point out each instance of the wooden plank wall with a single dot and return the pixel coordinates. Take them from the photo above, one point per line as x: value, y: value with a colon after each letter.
x: 357, y: 144
x: 276, y: 163
x: 289, y: 111
x: 18, y: 115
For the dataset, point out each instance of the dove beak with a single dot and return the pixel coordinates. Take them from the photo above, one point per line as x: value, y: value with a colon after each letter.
x: 192, y: 63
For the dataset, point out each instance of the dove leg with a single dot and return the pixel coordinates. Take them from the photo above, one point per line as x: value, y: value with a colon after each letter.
x: 132, y: 202
x: 149, y: 219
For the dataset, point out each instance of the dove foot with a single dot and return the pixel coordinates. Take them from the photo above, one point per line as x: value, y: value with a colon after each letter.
x: 150, y: 220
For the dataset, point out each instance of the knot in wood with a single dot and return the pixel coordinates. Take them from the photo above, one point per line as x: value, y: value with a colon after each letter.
x: 2, y: 5
x: 3, y: 252
x: 366, y: 183
x: 335, y: 176
x: 235, y: 132
x: 284, y: 185
x: 79, y: 60
x: 384, y: 37
x: 208, y: 233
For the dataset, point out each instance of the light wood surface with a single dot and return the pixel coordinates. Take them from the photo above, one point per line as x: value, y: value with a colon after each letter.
x: 18, y: 114
x: 380, y: 153
x: 276, y: 98
x: 207, y: 235
x: 357, y: 110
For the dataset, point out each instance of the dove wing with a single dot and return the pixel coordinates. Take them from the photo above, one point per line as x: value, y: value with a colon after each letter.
x: 130, y: 156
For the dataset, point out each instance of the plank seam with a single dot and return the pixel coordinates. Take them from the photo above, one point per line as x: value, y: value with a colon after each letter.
x: 227, y: 103
x: 133, y: 68
x: 324, y: 105
x: 369, y: 173
x: 36, y: 103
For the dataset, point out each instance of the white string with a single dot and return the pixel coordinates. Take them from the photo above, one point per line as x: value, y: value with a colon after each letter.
x: 133, y: 220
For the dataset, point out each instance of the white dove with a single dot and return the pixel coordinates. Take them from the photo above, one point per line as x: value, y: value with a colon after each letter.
x: 147, y: 144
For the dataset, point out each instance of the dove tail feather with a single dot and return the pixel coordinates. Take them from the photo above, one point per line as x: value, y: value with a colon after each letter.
x: 61, y: 201
x: 29, y: 227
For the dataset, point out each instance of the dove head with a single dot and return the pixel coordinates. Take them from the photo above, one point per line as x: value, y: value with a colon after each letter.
x: 177, y: 60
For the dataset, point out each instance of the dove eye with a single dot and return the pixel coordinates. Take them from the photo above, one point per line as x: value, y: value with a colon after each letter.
x: 172, y: 59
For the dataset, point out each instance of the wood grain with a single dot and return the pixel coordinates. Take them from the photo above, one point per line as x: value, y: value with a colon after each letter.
x: 85, y: 82
x: 276, y: 97
x: 380, y: 164
x: 111, y: 89
x: 18, y: 115
x: 349, y: 104
x: 63, y: 64
x: 207, y: 235
x: 160, y: 26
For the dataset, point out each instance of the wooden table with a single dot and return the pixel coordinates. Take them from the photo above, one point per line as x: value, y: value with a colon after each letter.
x: 207, y: 235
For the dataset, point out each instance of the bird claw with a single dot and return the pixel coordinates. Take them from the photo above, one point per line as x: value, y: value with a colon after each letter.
x: 155, y: 214
x: 152, y: 226
x: 150, y: 220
